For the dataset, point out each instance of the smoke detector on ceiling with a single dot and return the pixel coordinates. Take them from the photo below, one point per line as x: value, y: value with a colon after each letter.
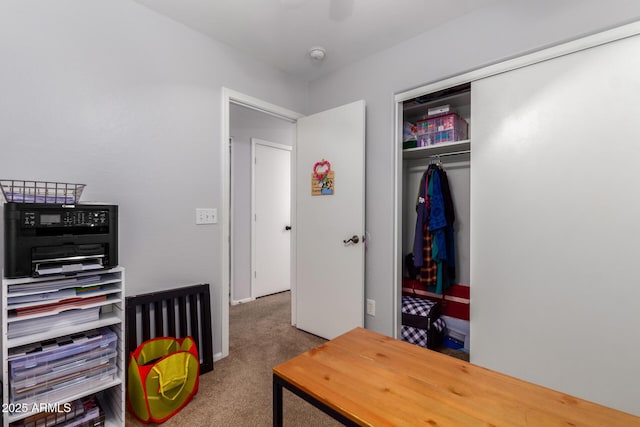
x: 317, y: 53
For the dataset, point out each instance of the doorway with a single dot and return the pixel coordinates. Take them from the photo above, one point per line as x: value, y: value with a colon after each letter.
x: 248, y: 117
x: 334, y: 140
x: 250, y: 129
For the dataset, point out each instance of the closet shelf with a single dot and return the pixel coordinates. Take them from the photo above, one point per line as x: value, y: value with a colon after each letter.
x: 432, y: 150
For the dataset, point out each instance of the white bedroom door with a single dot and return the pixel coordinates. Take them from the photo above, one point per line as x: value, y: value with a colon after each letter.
x: 330, y: 226
x: 271, y: 218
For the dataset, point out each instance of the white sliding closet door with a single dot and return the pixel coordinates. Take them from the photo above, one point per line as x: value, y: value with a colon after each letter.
x: 555, y: 223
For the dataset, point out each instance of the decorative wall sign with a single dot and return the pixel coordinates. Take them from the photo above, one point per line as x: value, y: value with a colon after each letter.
x: 322, y: 179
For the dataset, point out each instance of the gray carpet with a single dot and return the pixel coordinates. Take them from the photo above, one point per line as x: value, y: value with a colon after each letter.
x: 238, y: 392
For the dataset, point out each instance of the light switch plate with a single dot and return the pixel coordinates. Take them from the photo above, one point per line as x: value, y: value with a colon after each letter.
x: 206, y: 216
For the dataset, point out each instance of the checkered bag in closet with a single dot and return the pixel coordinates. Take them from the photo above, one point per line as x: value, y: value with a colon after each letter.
x: 421, y: 322
x: 419, y: 336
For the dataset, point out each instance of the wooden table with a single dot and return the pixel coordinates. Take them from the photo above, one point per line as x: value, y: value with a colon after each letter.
x: 363, y: 378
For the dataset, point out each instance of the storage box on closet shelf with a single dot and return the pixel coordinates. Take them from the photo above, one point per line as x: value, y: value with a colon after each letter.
x: 447, y: 127
x: 41, y: 191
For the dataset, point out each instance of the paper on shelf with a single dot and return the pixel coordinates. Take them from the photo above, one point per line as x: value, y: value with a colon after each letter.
x: 59, y: 306
x: 44, y: 296
x: 48, y: 323
x: 52, y: 286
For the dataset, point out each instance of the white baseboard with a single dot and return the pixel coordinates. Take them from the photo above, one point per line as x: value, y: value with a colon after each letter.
x: 217, y: 356
x: 242, y: 301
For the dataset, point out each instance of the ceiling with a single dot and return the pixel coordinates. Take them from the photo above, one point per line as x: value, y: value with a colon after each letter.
x: 281, y: 32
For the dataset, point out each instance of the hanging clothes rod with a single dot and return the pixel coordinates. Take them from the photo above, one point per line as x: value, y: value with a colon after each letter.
x: 453, y: 153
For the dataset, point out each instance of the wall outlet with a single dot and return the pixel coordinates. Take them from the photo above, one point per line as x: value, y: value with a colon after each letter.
x: 206, y: 216
x: 371, y: 307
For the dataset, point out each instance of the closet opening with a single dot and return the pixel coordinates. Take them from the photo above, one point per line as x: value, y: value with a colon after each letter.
x: 433, y: 248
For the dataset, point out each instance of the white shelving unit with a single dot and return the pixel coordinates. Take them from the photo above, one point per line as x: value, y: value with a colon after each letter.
x: 110, y: 390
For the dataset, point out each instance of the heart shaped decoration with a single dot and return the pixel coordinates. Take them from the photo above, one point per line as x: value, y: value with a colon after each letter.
x: 321, y: 169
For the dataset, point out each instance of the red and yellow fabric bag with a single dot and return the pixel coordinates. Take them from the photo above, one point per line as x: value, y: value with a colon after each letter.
x: 163, y: 376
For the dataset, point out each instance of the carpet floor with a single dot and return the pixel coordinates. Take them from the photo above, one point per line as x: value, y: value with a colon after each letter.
x: 238, y: 392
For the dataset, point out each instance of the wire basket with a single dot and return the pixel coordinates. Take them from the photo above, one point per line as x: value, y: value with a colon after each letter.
x: 41, y: 191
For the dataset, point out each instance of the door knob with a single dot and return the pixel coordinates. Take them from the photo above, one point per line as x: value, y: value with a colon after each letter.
x: 287, y: 227
x: 354, y: 239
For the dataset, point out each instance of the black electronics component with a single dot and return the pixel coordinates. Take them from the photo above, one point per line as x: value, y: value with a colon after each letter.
x: 41, y: 239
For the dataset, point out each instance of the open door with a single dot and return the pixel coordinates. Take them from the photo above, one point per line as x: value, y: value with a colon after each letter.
x: 330, y: 221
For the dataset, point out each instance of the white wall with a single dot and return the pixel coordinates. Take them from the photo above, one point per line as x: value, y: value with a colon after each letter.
x: 127, y: 101
x: 508, y: 29
x: 245, y: 124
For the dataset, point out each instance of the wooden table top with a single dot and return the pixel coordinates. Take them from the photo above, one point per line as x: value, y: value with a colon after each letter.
x: 376, y: 380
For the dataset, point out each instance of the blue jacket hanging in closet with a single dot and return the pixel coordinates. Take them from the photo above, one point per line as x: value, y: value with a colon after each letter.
x: 433, y: 247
